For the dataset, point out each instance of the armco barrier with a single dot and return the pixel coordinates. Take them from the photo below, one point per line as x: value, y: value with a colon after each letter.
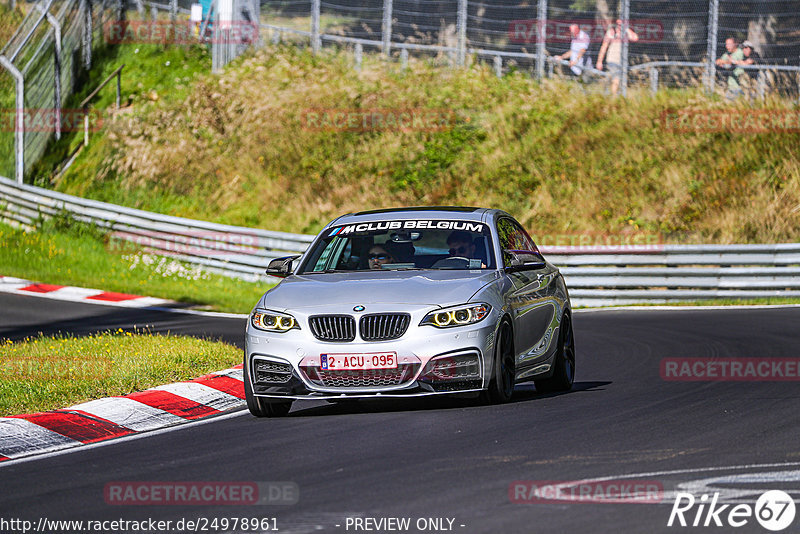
x: 633, y: 274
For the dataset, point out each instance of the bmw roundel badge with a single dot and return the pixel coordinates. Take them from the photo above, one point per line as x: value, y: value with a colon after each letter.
x: 358, y: 308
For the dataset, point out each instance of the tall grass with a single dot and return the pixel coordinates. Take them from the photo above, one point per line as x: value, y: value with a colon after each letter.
x: 234, y: 148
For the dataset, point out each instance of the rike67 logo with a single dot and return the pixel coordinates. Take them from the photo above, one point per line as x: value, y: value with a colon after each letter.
x: 774, y: 510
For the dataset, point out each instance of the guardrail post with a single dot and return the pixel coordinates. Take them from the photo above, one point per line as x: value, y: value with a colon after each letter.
x: 386, y: 27
x: 541, y: 37
x: 316, y: 42
x: 359, y: 56
x: 19, y: 126
x: 713, y: 25
x: 625, y: 16
x: 654, y: 80
x: 461, y: 30
x: 404, y: 58
x: 498, y: 66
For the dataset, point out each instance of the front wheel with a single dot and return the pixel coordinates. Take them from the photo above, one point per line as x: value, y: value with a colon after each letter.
x: 262, y: 407
x: 501, y: 386
x: 564, y: 372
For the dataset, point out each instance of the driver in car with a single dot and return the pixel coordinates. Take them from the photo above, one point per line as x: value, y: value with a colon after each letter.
x: 461, y: 245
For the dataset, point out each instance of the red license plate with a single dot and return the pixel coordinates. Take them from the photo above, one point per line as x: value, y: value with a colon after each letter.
x: 360, y: 361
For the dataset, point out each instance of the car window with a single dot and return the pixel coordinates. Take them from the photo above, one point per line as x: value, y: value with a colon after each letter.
x: 513, y: 237
x: 393, y: 245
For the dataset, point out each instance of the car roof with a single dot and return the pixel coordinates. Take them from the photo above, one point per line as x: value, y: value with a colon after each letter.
x: 461, y: 213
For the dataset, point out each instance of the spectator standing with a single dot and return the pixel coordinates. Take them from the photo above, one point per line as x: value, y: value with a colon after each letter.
x: 728, y: 61
x: 578, y: 50
x: 611, y: 51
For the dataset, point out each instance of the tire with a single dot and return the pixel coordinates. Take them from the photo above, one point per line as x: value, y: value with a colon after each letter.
x: 262, y: 407
x: 501, y: 385
x: 564, y: 371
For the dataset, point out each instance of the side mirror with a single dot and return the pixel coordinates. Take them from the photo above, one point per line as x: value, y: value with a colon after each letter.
x: 524, y: 260
x: 281, y: 267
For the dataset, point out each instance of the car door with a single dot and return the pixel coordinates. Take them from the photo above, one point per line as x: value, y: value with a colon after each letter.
x: 533, y: 300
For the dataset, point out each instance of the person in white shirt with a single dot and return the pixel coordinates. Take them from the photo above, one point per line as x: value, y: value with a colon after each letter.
x: 578, y: 48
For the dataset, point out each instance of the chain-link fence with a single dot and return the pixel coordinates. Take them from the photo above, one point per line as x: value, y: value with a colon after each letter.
x: 40, y: 67
x: 668, y: 42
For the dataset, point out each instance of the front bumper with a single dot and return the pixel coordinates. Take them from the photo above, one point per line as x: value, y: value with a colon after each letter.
x: 431, y: 362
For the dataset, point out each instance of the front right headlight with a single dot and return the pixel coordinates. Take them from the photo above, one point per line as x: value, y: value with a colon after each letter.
x: 270, y: 321
x: 457, y: 315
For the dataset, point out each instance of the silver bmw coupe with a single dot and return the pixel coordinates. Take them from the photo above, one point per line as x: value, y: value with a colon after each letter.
x: 410, y: 302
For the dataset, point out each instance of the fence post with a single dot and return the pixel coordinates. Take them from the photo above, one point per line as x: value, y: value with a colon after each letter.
x: 404, y: 58
x: 19, y: 132
x: 316, y: 42
x: 498, y: 66
x: 359, y: 56
x: 541, y: 37
x: 386, y: 27
x: 87, y: 34
x: 625, y: 16
x: 762, y: 83
x: 56, y: 72
x: 654, y: 80
x: 713, y: 24
x: 173, y: 11
x: 461, y: 29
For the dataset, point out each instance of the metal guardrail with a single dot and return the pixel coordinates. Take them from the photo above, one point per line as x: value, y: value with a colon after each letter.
x: 627, y: 275
x: 230, y: 250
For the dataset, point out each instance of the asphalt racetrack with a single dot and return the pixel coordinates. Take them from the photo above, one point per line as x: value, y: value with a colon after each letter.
x: 456, y: 460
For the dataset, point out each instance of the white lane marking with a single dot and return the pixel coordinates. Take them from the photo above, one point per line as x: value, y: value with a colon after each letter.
x: 200, y: 312
x: 202, y: 394
x: 129, y: 437
x: 19, y: 437
x: 737, y: 494
x: 668, y: 495
x: 236, y: 374
x: 129, y: 413
x: 658, y: 307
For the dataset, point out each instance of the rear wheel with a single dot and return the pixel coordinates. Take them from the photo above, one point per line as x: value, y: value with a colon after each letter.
x: 262, y: 407
x: 564, y: 371
x: 501, y: 386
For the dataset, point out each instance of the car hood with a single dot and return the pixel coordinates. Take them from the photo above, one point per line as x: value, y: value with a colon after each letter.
x: 431, y: 287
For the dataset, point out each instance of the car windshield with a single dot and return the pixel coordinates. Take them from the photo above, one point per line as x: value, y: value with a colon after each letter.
x: 395, y: 245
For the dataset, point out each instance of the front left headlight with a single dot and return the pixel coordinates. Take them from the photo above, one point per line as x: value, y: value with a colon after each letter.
x: 457, y: 315
x: 270, y: 321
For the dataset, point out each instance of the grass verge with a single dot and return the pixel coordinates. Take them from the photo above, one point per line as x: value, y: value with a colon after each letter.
x: 238, y: 147
x: 65, y: 252
x: 47, y: 373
